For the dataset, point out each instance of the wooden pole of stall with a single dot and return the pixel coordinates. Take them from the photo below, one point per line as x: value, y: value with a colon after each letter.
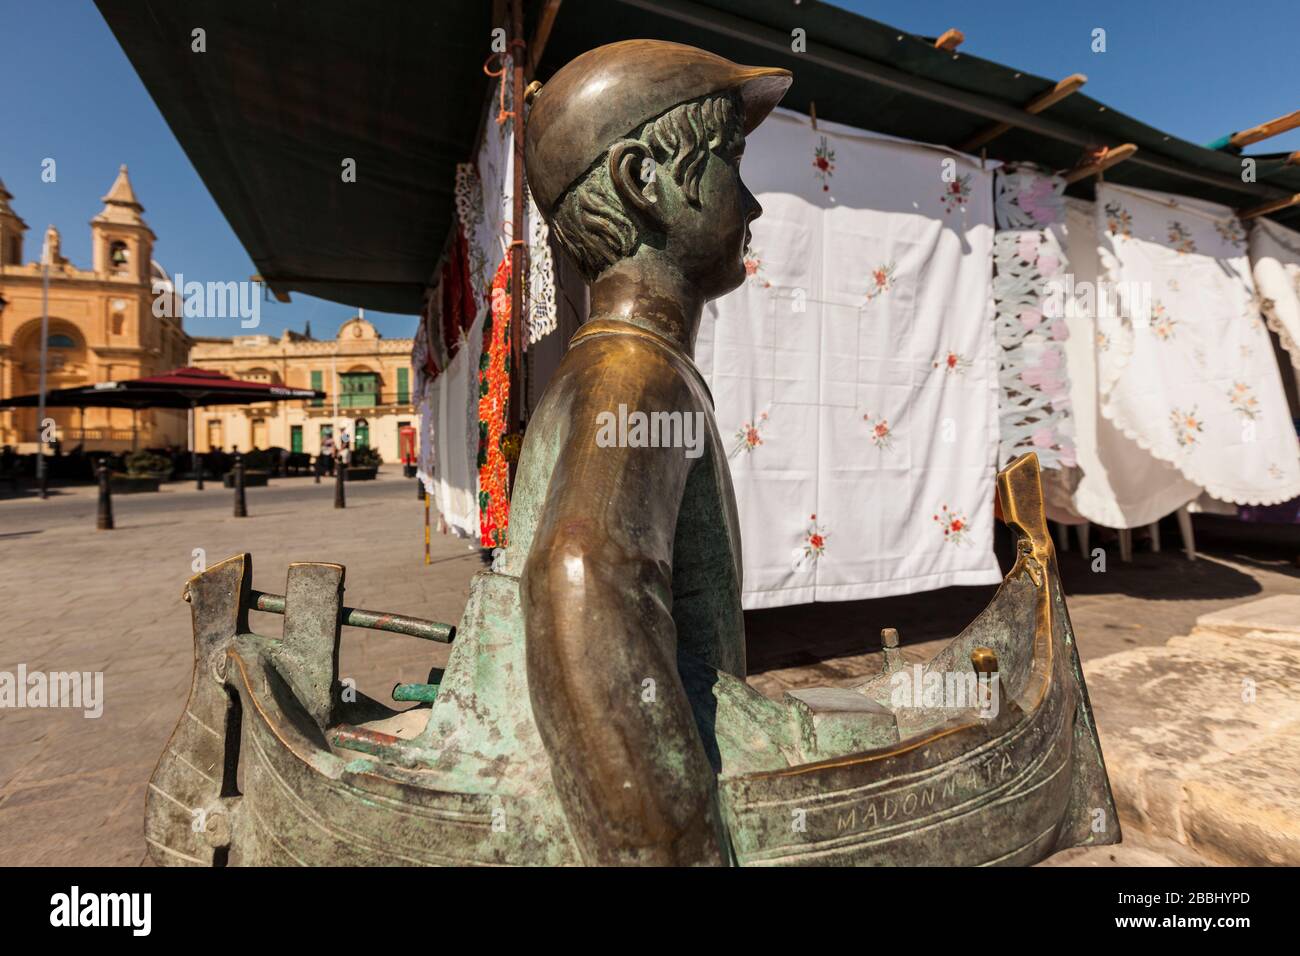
x: 950, y: 39
x: 1039, y: 103
x: 1100, y: 161
x: 1247, y: 137
x: 1268, y: 207
x: 427, y: 559
x: 518, y: 61
x: 542, y: 33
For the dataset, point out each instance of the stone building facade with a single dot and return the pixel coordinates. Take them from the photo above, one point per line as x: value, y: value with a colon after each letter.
x: 367, y: 380
x: 102, y: 327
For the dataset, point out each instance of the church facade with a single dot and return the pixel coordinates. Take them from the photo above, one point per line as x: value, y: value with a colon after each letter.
x: 102, y: 327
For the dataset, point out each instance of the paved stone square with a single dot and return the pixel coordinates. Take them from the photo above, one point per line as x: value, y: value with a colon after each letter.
x: 72, y: 788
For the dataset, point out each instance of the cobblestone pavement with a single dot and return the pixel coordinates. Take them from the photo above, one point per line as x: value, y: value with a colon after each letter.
x: 72, y: 788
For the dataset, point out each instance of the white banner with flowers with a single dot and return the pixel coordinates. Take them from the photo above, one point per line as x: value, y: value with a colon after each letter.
x: 1188, y: 370
x: 855, y: 371
x: 1118, y: 483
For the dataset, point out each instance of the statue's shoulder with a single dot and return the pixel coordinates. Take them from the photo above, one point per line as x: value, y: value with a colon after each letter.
x: 619, y: 361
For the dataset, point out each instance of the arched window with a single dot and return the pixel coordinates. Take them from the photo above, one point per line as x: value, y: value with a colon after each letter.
x: 119, y: 255
x: 58, y: 340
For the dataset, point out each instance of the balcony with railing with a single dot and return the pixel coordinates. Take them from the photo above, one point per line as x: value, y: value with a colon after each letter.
x: 375, y: 402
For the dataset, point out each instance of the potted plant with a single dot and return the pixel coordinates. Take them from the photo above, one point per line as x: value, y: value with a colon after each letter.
x: 364, y: 465
x: 145, y: 471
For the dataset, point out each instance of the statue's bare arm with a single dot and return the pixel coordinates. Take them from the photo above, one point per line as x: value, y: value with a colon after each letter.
x: 601, y: 647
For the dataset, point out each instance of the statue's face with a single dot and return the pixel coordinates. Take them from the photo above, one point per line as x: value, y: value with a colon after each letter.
x: 708, y: 239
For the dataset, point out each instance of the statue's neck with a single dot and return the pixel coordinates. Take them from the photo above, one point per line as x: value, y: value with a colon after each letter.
x: 651, y: 296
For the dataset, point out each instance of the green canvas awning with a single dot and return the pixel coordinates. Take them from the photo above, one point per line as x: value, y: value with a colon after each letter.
x: 868, y: 74
x: 287, y: 91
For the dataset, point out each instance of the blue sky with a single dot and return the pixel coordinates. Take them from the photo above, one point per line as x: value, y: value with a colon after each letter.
x: 1196, y: 68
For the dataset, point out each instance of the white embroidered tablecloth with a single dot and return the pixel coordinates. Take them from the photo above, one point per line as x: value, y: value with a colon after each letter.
x: 854, y: 373
x: 1189, y: 372
x: 1275, y: 261
x: 1117, y: 483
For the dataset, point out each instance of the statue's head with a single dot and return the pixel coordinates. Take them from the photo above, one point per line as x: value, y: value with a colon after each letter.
x: 638, y: 144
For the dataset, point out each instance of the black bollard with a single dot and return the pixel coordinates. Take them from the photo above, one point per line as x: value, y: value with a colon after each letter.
x: 339, y: 499
x: 104, y: 519
x: 196, y: 460
x: 241, y: 507
x: 319, y: 468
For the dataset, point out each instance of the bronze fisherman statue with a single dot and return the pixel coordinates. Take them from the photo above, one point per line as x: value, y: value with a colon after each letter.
x: 594, y: 708
x: 633, y: 152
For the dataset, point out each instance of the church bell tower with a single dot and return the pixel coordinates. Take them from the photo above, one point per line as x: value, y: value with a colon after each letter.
x: 122, y: 242
x: 11, y: 231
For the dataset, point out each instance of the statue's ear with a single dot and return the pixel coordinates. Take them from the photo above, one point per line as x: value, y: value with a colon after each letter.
x: 633, y: 171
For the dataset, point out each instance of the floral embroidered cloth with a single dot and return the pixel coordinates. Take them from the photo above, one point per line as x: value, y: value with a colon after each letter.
x: 493, y: 410
x: 854, y: 373
x: 1117, y: 483
x: 1029, y: 266
x: 1275, y: 260
x: 1189, y: 372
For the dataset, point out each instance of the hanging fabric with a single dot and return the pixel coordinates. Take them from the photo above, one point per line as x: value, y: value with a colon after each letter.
x: 493, y: 412
x: 470, y: 400
x: 1029, y: 268
x: 1275, y: 260
x: 431, y: 328
x: 428, y: 353
x: 427, y: 407
x: 1189, y: 372
x: 460, y: 304
x: 541, y: 277
x: 484, y: 204
x: 1117, y: 484
x: 453, y: 408
x: 854, y: 372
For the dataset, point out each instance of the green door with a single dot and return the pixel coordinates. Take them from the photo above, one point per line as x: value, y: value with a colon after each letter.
x: 363, y: 434
x: 295, y: 439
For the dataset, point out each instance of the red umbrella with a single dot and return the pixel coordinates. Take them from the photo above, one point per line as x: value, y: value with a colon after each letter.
x: 180, y: 388
x: 202, y: 386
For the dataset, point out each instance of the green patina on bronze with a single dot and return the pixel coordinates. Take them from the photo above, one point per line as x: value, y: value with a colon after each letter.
x: 594, y: 707
x: 423, y: 693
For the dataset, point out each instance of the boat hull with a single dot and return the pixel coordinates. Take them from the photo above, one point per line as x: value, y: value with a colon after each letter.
x: 266, y: 766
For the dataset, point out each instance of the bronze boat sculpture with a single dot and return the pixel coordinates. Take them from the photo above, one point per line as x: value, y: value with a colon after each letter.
x: 594, y: 708
x: 279, y: 769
